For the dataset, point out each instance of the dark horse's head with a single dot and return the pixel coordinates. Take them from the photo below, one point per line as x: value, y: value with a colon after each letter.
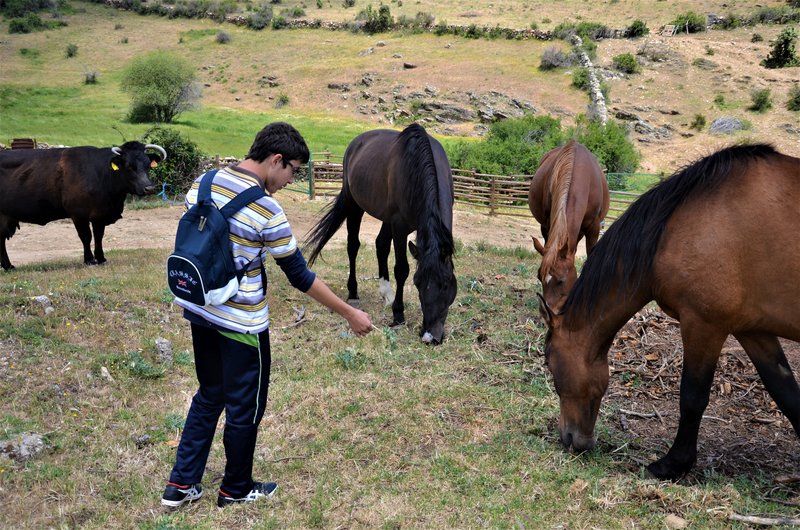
x: 435, y: 280
x: 429, y: 198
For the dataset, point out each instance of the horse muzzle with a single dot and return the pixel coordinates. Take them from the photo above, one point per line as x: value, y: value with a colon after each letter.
x: 577, y: 442
x: 434, y: 336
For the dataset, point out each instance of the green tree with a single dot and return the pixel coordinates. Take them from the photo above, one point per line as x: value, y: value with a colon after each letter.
x: 183, y: 163
x: 161, y: 86
x: 610, y: 144
x: 783, y: 52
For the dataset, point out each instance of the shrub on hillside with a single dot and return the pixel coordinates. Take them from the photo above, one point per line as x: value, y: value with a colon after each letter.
x: 71, y: 50
x: 161, y: 85
x: 553, y: 58
x: 580, y: 78
x: 511, y: 147
x: 376, y: 21
x: 610, y: 144
x: 793, y: 103
x: 32, y: 22
x: 783, y: 52
x: 260, y: 18
x: 689, y: 22
x: 698, y: 123
x: 762, y: 100
x: 223, y: 37
x: 183, y: 161
x: 626, y: 63
x: 20, y: 8
x: 637, y: 29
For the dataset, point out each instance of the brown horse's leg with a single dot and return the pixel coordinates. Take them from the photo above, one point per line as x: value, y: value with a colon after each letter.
x: 399, y: 238
x: 701, y: 349
x: 767, y: 355
x: 592, y: 235
x: 353, y: 226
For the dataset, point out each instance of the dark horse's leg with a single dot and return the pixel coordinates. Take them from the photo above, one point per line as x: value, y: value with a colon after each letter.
x: 353, y: 226
x: 383, y: 245
x: 399, y: 237
x: 85, y: 233
x: 99, y: 229
x: 767, y: 355
x: 701, y: 349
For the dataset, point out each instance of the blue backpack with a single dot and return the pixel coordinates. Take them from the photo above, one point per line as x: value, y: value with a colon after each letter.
x: 201, y: 269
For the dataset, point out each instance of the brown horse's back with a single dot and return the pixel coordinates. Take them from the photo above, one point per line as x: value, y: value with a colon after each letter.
x: 732, y: 258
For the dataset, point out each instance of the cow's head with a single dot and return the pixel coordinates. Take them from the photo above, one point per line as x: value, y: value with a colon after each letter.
x: 131, y: 162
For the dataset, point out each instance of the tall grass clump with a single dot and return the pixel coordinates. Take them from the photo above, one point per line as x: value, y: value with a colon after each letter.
x: 793, y: 103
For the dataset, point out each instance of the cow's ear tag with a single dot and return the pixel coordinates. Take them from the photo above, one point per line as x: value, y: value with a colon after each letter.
x: 114, y: 166
x: 153, y: 164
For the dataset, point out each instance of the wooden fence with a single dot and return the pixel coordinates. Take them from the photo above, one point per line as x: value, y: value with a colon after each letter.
x: 497, y: 194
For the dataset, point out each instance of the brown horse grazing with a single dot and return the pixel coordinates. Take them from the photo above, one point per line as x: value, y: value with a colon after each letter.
x: 716, y: 246
x: 569, y: 198
x: 403, y: 179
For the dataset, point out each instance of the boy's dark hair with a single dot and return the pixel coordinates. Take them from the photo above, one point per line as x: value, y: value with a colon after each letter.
x: 279, y: 138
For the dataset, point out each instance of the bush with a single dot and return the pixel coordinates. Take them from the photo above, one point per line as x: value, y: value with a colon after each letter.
x: 698, y: 123
x: 511, y: 147
x: 71, y: 50
x: 27, y: 24
x: 637, y: 29
x: 783, y: 51
x: 183, y: 162
x: 260, y: 18
x: 90, y: 78
x: 625, y: 62
x: 282, y: 101
x: 376, y: 21
x: 223, y: 37
x: 793, y: 103
x: 21, y: 8
x: 689, y: 22
x: 762, y: 100
x: 553, y: 58
x: 161, y: 85
x: 580, y: 78
x: 756, y: 37
x: 610, y: 144
x: 348, y: 3
x: 279, y: 22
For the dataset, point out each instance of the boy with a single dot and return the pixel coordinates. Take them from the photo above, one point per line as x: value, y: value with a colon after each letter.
x: 231, y: 341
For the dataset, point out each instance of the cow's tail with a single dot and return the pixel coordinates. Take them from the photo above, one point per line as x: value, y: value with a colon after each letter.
x: 335, y: 214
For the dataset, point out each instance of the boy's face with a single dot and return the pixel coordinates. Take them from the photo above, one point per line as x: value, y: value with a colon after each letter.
x: 280, y: 172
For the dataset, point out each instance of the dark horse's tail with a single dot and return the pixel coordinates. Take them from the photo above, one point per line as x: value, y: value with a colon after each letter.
x: 334, y: 216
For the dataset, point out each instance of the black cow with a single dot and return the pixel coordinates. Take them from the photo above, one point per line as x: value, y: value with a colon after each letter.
x: 85, y: 184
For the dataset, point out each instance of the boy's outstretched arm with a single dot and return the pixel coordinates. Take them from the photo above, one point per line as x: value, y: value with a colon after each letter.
x: 358, y: 320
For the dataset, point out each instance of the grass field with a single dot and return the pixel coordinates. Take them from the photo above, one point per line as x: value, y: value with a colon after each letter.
x: 377, y: 432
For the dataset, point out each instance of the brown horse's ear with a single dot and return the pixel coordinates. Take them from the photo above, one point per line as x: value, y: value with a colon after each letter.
x: 544, y: 311
x: 413, y: 249
x: 538, y: 246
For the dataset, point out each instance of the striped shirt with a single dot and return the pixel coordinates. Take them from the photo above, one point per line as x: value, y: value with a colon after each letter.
x: 260, y: 225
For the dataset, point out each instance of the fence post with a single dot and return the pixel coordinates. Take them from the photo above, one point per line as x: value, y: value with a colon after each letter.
x: 311, y: 191
x: 492, y: 190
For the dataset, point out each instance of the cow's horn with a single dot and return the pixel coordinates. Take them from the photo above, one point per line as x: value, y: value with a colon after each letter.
x: 116, y: 151
x: 157, y: 148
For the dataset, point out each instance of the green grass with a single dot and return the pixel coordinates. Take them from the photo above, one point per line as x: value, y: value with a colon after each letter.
x: 374, y: 432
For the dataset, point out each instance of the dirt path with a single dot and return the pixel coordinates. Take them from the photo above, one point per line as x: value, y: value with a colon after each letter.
x: 155, y: 228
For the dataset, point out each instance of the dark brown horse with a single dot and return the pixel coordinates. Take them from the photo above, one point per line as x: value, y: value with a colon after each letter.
x: 716, y: 246
x: 403, y: 179
x: 569, y: 198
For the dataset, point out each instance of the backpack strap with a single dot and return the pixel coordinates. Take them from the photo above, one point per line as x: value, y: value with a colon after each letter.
x: 204, y: 193
x: 244, y: 198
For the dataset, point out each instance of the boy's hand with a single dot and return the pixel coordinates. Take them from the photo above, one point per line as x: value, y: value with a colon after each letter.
x: 359, y: 322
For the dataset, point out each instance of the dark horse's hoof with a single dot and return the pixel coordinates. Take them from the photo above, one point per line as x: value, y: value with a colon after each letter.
x: 354, y: 302
x: 662, y: 469
x: 397, y: 323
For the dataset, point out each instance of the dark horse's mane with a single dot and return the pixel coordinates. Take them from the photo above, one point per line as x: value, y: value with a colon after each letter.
x: 419, y: 166
x: 623, y: 257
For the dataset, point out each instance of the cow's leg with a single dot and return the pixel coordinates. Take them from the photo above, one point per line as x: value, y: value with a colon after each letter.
x: 99, y: 229
x: 383, y: 245
x: 7, y: 228
x: 353, y: 226
x: 85, y: 233
x: 399, y: 238
x: 767, y: 355
x: 701, y: 349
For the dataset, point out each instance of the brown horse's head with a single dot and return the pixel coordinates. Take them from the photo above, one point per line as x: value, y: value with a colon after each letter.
x: 435, y: 280
x: 557, y: 274
x: 580, y: 376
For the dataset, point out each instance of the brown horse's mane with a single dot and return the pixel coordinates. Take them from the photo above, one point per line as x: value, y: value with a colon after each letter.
x: 623, y: 258
x: 434, y: 239
x: 559, y: 184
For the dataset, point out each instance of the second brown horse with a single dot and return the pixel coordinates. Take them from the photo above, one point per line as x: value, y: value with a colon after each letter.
x: 569, y: 198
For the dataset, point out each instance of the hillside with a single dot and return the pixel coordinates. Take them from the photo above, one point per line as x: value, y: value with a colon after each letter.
x: 454, y: 85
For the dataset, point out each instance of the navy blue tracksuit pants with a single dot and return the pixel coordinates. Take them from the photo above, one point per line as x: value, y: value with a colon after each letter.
x: 233, y: 372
